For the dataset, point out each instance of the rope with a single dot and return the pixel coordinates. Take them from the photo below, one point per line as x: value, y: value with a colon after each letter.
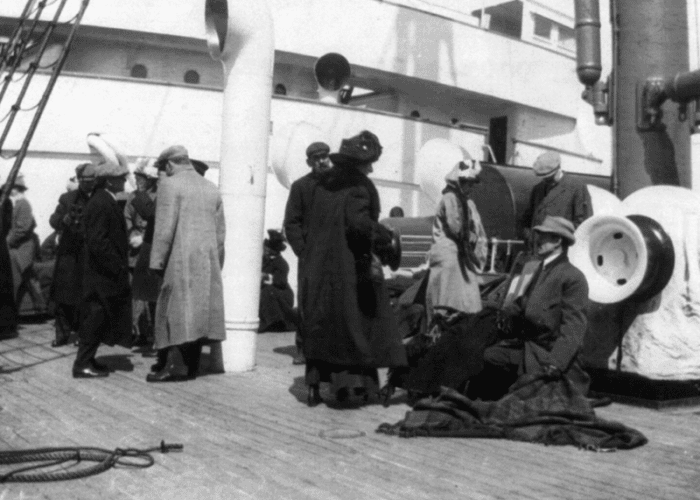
x: 51, y: 457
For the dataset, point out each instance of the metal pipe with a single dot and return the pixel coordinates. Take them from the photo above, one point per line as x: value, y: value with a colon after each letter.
x: 240, y: 35
x: 683, y: 86
x: 588, y: 65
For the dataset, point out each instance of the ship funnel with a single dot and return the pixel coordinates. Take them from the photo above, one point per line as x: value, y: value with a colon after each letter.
x: 242, y: 39
x: 332, y: 71
x: 623, y: 257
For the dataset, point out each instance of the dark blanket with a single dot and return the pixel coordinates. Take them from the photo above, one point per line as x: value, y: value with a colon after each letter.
x: 536, y: 409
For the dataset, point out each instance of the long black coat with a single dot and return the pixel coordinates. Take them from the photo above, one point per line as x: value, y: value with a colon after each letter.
x: 106, y: 271
x: 569, y: 198
x: 70, y: 255
x: 8, y: 308
x: 346, y: 316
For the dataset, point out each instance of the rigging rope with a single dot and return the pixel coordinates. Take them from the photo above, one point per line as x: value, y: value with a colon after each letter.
x: 51, y: 457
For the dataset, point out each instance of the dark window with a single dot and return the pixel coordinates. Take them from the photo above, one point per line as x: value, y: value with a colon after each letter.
x: 191, y: 76
x: 414, y: 114
x: 139, y: 71
x: 280, y: 89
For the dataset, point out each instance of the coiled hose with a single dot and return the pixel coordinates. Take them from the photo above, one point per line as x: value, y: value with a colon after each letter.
x: 51, y: 457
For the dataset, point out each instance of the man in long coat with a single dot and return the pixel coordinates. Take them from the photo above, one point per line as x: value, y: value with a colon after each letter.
x: 549, y: 319
x: 67, y: 284
x: 557, y: 194
x: 106, y: 290
x: 188, y: 250
x: 296, y: 220
x: 349, y: 327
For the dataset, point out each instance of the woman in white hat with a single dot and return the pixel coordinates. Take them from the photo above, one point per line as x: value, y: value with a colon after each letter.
x: 459, y: 245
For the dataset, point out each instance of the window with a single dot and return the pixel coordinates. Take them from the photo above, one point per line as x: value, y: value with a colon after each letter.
x: 567, y: 38
x: 543, y: 27
x: 191, y: 76
x: 139, y: 71
x: 280, y: 89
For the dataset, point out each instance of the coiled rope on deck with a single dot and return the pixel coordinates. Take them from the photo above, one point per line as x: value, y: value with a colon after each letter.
x: 51, y: 457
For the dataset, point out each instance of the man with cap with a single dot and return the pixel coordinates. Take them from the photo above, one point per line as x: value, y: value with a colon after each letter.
x: 106, y: 290
x: 188, y: 252
x: 297, y: 216
x: 556, y: 194
x: 67, y: 284
x: 549, y: 319
x: 349, y: 327
x: 139, y: 213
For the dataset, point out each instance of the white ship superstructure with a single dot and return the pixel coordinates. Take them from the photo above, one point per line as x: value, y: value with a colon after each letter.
x: 478, y: 73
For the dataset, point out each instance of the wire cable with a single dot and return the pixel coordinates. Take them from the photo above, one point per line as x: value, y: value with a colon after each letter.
x: 43, y: 458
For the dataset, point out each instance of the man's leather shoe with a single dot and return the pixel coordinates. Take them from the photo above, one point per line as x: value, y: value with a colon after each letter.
x: 89, y: 372
x: 59, y: 342
x: 166, y: 376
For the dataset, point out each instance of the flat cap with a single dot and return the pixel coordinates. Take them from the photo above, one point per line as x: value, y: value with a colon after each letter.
x: 546, y: 164
x: 85, y: 171
x: 317, y: 148
x: 557, y: 225
x: 109, y: 169
x: 173, y: 153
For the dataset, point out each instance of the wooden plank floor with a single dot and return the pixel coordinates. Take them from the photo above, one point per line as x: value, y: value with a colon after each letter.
x: 251, y: 435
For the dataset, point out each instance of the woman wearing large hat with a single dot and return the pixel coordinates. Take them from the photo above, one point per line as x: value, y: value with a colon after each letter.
x: 276, y: 296
x: 350, y: 330
x: 459, y: 244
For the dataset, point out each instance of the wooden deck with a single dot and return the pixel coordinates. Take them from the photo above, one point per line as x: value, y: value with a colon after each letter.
x: 252, y: 436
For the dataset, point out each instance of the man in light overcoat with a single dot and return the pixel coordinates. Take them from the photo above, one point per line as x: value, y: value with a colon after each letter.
x: 188, y: 251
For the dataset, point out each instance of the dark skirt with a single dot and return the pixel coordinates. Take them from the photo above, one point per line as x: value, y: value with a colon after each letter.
x: 277, y: 312
x: 145, y: 284
x: 8, y: 307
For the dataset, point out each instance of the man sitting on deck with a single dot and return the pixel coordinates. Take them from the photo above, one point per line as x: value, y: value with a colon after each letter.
x: 548, y: 320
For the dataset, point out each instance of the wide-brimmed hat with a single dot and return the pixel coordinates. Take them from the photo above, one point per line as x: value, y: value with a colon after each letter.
x: 547, y: 164
x: 85, y: 171
x: 317, y: 148
x: 19, y: 183
x: 357, y: 150
x: 145, y: 167
x: 200, y: 166
x: 275, y: 241
x: 557, y: 225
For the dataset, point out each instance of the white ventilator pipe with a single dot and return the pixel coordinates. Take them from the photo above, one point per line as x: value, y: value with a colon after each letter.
x: 240, y: 35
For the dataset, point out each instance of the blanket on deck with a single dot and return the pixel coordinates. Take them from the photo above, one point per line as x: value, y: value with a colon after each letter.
x: 536, y: 409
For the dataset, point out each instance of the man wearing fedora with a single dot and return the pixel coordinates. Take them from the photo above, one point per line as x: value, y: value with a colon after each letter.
x: 556, y: 194
x: 67, y: 284
x: 296, y: 219
x: 106, y: 290
x: 188, y: 252
x: 349, y: 327
x: 549, y: 319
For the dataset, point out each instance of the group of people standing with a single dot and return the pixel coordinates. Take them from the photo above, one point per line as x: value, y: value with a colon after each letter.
x: 162, y: 252
x: 346, y: 327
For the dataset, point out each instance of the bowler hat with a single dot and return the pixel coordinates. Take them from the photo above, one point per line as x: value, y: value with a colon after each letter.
x: 557, y: 225
x: 275, y: 241
x: 547, y: 164
x: 357, y: 150
x: 317, y: 148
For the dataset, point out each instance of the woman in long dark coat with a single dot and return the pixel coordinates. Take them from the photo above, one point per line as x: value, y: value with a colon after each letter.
x: 349, y: 326
x: 8, y: 308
